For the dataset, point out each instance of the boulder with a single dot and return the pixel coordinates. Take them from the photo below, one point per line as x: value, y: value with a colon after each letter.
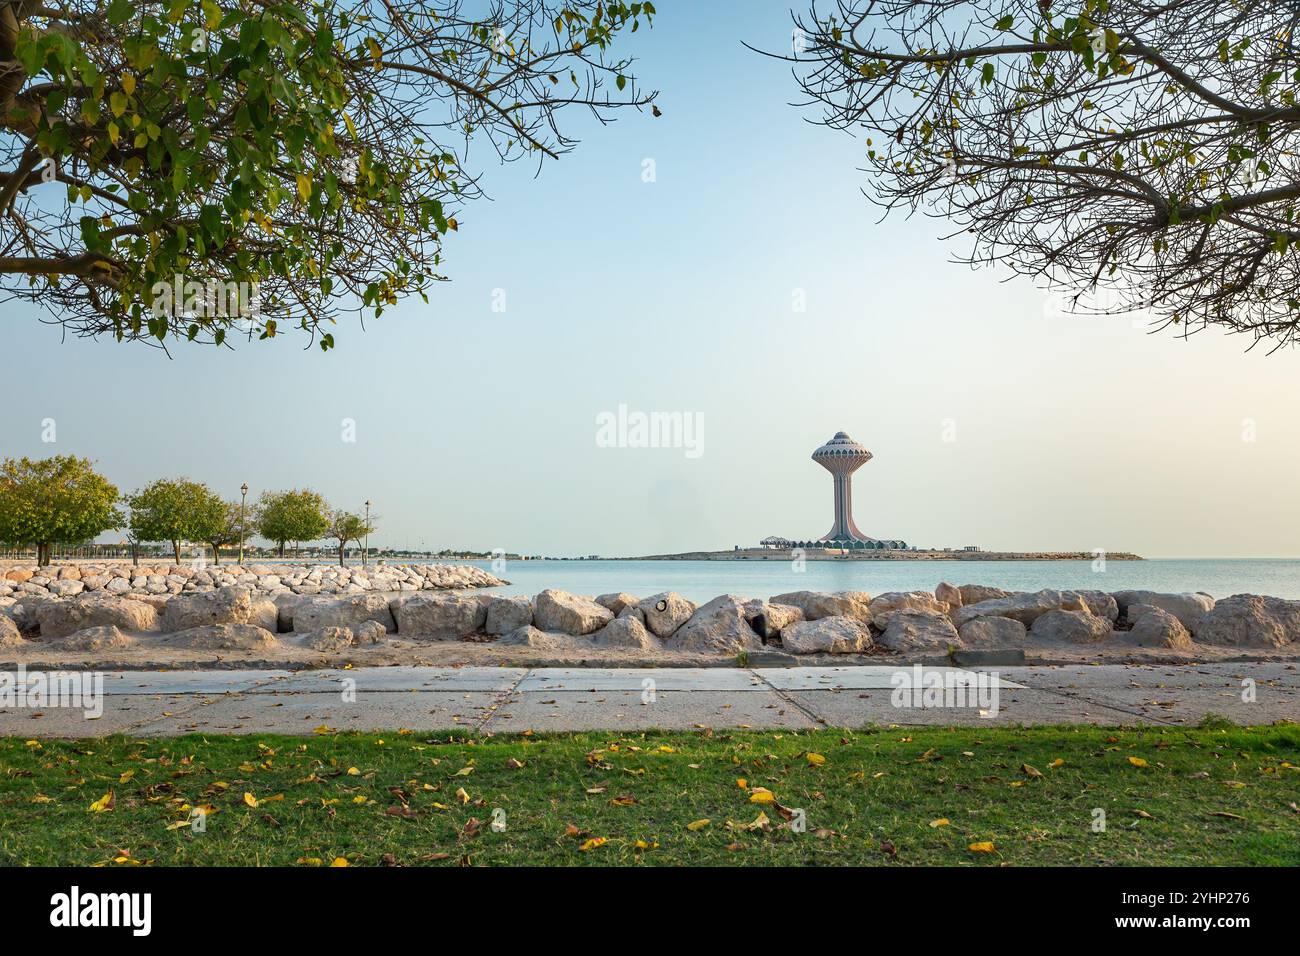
x: 1101, y: 604
x: 568, y: 613
x: 66, y: 587
x: 10, y: 636
x: 718, y: 627
x: 993, y: 632
x: 331, y: 639
x: 884, y: 606
x: 1070, y: 627
x: 194, y: 609
x: 1025, y: 607
x: 370, y: 632
x: 635, y: 612
x: 506, y: 614
x: 977, y: 593
x: 286, y: 603
x: 223, y: 637
x: 666, y: 612
x: 1156, y: 627
x: 1188, y: 607
x: 625, y: 632
x: 917, y: 630
x: 350, y: 611
x: 265, y: 614
x: 440, y: 617
x: 541, y: 640
x: 616, y: 602
x: 1250, y: 620
x: 827, y: 635
x: 19, y: 575
x: 103, y: 638
x: 768, y: 620
x: 61, y: 618
x: 950, y: 594
x: 819, y: 604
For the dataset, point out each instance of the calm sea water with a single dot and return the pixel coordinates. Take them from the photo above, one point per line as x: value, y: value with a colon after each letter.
x: 704, y: 580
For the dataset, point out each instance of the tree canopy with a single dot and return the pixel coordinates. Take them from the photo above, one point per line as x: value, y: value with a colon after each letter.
x: 182, y: 170
x: 176, y: 510
x: 59, y: 500
x: 346, y: 526
x: 297, y: 515
x: 1141, y: 156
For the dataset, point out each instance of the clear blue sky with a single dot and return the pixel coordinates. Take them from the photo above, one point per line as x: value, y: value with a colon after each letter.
x: 477, y: 429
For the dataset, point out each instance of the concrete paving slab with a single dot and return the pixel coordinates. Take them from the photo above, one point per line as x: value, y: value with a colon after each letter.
x: 120, y: 715
x: 665, y: 678
x: 626, y: 710
x: 301, y: 714
x: 1151, y: 675
x: 188, y: 682
x: 486, y: 679
x: 856, y: 708
x: 849, y: 678
x: 1190, y: 706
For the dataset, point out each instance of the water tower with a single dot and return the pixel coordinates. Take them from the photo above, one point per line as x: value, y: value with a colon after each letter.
x: 842, y: 456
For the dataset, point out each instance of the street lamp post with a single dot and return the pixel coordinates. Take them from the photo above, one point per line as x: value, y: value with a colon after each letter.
x: 365, y: 548
x: 243, y: 492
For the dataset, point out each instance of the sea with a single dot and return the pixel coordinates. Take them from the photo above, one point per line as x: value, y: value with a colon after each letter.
x: 701, y: 581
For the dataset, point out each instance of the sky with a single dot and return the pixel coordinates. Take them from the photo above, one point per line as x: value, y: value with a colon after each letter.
x: 750, y: 287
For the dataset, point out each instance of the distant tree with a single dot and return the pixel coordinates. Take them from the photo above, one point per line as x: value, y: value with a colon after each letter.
x: 344, y: 527
x: 1136, y: 155
x: 176, y: 510
x: 233, y: 529
x: 54, y: 501
x: 310, y: 152
x: 298, y: 515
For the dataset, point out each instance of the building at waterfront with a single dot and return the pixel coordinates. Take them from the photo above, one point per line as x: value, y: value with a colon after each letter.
x: 841, y: 456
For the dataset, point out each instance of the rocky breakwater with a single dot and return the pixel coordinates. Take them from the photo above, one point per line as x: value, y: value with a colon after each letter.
x: 71, y: 580
x: 1079, y: 624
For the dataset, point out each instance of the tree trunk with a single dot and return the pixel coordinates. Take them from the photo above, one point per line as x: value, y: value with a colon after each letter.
x: 342, y: 547
x: 282, y: 549
x: 216, y: 554
x: 176, y: 551
x: 135, y: 553
x: 43, y: 552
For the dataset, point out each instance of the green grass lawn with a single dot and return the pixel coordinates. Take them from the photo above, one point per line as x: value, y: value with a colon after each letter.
x: 1211, y: 795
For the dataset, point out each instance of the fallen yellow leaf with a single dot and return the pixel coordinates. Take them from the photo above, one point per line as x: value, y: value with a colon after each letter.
x: 698, y: 824
x: 984, y: 847
x: 1137, y: 761
x: 103, y: 803
x: 941, y: 822
x: 593, y: 843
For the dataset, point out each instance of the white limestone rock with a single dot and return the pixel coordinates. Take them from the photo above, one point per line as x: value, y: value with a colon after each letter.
x: 827, y: 635
x: 1250, y: 620
x: 223, y: 637
x: 439, y: 617
x: 625, y: 632
x: 1156, y: 627
x: 567, y: 613
x: 62, y: 618
x: 665, y: 613
x: 506, y: 614
x: 719, y: 626
x: 227, y: 605
x: 103, y: 638
x: 1189, y: 608
x: 819, y: 604
x: 883, y: 607
x: 1070, y: 627
x: 993, y: 632
x: 919, y: 630
x: 350, y: 611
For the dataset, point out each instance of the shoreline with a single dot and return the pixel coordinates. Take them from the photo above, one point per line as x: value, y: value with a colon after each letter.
x: 821, y: 554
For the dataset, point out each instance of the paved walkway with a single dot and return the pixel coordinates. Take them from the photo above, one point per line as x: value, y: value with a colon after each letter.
x: 503, y: 700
